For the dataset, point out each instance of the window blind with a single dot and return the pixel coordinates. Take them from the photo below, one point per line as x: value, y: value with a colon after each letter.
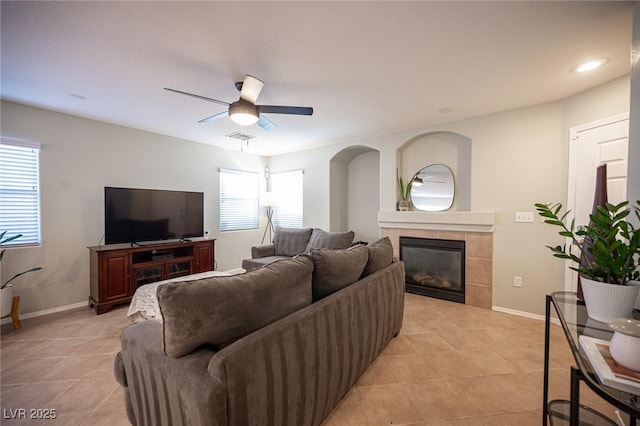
x: 288, y: 188
x: 239, y: 192
x: 20, y: 190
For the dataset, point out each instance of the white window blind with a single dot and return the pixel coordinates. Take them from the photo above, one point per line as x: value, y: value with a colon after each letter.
x: 20, y: 190
x: 288, y: 188
x: 239, y: 192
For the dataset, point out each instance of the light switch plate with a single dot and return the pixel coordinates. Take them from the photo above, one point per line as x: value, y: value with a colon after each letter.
x: 524, y: 217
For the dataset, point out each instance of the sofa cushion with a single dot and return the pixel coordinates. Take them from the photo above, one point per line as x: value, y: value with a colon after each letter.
x: 219, y: 310
x: 336, y: 269
x: 265, y: 250
x: 380, y: 256
x: 330, y: 240
x: 291, y: 241
x: 251, y: 264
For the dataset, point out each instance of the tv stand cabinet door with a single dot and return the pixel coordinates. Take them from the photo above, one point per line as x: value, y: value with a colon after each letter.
x: 204, y: 255
x: 110, y: 280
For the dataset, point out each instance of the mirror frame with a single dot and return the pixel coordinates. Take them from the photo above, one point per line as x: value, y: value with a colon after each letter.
x: 450, y: 199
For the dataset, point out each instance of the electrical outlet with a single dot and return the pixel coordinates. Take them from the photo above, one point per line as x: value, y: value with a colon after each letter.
x: 517, y: 281
x: 524, y: 217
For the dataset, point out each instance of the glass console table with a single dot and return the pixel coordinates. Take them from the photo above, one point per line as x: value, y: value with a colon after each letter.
x: 574, y: 320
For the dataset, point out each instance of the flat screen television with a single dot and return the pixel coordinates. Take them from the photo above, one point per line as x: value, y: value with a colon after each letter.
x: 136, y: 215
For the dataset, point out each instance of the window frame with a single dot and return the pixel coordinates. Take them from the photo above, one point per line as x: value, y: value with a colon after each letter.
x: 243, y: 199
x: 30, y: 175
x: 298, y: 220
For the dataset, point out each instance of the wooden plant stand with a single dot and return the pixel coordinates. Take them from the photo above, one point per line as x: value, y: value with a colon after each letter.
x: 14, y: 313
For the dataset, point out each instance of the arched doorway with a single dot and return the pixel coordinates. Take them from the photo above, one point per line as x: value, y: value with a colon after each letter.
x: 355, y: 192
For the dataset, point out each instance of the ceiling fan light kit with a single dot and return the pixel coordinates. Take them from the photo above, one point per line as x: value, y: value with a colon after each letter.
x: 244, y: 111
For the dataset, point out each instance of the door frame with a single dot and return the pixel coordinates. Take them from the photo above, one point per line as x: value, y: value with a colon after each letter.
x: 570, y: 278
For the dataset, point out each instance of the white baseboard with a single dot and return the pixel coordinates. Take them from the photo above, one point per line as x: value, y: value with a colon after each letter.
x: 48, y: 311
x: 83, y: 304
x: 523, y: 314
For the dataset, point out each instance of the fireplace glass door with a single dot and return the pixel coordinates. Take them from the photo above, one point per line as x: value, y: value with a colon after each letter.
x: 434, y: 267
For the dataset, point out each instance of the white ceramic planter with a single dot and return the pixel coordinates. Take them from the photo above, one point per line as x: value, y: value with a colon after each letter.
x: 625, y: 343
x: 6, y: 300
x: 608, y: 301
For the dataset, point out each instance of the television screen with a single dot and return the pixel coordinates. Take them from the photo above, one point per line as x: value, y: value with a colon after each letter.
x: 134, y: 215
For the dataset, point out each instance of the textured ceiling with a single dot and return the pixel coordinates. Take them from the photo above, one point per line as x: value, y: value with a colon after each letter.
x: 367, y: 68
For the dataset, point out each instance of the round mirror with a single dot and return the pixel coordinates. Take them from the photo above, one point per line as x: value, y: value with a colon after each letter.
x: 432, y: 188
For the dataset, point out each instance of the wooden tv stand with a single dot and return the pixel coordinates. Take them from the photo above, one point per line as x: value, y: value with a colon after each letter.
x: 117, y: 270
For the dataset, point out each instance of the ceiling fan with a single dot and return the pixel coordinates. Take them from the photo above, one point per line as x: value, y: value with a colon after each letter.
x: 244, y: 111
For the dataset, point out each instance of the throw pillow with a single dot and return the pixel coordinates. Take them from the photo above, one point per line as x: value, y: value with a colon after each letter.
x: 291, y: 241
x: 219, y: 310
x: 380, y: 256
x: 330, y: 240
x: 336, y: 269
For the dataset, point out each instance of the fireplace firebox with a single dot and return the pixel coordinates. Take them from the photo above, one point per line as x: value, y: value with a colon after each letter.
x: 434, y: 267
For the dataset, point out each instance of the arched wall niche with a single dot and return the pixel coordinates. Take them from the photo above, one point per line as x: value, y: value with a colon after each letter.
x: 448, y: 148
x: 355, y: 191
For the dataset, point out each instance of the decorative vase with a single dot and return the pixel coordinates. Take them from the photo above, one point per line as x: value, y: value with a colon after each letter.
x: 6, y: 300
x: 625, y: 343
x: 403, y: 205
x: 605, y: 302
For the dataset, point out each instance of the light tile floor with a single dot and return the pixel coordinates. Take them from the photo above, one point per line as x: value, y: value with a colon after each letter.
x: 452, y: 364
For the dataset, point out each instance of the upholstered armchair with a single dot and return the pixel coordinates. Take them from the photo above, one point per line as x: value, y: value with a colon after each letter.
x: 289, y: 242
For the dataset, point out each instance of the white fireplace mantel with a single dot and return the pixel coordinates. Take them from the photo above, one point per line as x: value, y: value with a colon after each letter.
x: 468, y: 221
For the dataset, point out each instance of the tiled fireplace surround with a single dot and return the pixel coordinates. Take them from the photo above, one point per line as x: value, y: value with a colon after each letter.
x: 478, y: 247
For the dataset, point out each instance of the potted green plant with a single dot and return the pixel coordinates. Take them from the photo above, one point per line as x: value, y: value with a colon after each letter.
x: 6, y: 290
x: 405, y: 191
x: 609, y: 276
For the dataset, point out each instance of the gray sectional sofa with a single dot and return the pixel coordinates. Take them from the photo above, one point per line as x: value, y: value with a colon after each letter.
x: 289, y: 242
x: 280, y: 345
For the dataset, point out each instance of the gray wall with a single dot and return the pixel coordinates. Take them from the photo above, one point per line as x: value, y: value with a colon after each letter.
x: 519, y: 157
x: 78, y: 158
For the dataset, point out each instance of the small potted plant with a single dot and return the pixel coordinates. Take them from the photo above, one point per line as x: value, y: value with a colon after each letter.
x: 6, y: 291
x: 405, y: 191
x: 609, y: 277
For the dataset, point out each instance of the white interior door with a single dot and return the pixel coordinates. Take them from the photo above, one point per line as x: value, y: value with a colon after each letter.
x: 592, y: 144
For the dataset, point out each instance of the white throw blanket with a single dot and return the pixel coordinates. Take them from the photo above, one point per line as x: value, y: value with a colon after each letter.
x: 144, y: 304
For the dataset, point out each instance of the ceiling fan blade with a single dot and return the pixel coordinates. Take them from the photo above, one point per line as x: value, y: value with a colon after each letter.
x: 275, y: 109
x: 265, y: 123
x: 198, y: 96
x: 215, y: 117
x: 251, y: 88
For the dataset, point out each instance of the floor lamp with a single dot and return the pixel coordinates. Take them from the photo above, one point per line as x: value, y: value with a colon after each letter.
x: 268, y: 200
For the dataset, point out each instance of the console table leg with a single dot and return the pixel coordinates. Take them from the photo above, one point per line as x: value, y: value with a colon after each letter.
x: 545, y: 389
x: 574, y: 419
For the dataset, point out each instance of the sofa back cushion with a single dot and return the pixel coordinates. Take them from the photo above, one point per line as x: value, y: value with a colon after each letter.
x: 291, y: 241
x: 336, y: 269
x: 329, y: 240
x: 295, y: 371
x: 380, y: 256
x: 219, y: 310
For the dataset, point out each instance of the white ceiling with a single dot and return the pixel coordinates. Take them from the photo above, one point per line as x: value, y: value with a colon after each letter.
x: 367, y: 68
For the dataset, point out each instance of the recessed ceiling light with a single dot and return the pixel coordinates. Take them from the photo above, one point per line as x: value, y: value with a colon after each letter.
x: 590, y: 65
